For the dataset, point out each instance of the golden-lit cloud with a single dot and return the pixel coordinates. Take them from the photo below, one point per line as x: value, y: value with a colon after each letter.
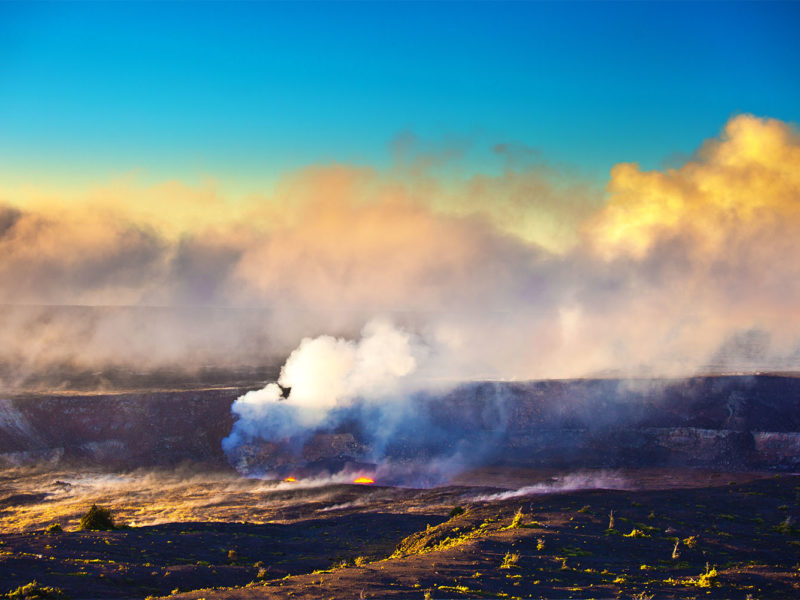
x: 742, y: 186
x: 523, y: 273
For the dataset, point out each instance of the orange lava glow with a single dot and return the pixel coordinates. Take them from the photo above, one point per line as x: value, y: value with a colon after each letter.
x: 290, y: 479
x: 363, y: 480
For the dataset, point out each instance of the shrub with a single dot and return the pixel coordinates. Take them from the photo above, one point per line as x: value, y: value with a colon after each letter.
x: 787, y: 527
x: 707, y: 579
x: 33, y: 591
x: 635, y: 533
x: 510, y: 560
x: 97, y: 518
x: 690, y: 542
x: 458, y: 510
x: 516, y: 522
x: 54, y: 528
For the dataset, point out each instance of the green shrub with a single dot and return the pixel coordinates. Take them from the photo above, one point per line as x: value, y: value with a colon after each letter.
x: 691, y: 541
x: 54, y: 528
x: 33, y: 591
x: 97, y: 519
x: 456, y: 511
x: 635, y: 533
x: 787, y: 527
x: 516, y: 522
x: 510, y: 560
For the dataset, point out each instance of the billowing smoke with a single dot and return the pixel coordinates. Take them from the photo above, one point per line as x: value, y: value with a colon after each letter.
x: 524, y: 273
x: 344, y: 405
x: 324, y: 374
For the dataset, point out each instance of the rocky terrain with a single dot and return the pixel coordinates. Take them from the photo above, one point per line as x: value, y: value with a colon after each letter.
x: 567, y: 489
x: 680, y: 533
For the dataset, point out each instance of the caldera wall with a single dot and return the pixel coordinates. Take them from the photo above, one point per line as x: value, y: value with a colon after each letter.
x: 736, y: 422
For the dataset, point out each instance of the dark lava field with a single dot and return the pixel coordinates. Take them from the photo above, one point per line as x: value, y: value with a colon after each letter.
x: 591, y: 489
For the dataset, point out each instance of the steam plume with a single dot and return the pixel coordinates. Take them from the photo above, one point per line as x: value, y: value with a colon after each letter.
x: 324, y: 374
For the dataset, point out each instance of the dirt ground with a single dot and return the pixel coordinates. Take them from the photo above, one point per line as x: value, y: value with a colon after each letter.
x: 522, y: 534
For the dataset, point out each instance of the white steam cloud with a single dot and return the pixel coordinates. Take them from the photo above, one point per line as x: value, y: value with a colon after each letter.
x: 326, y: 373
x: 566, y: 483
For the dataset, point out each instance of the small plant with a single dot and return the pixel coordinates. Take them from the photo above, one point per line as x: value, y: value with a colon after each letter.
x: 611, y: 520
x: 585, y: 509
x: 347, y: 562
x: 97, y: 518
x: 54, y: 528
x: 635, y: 533
x: 233, y: 556
x: 458, y: 510
x: 690, y: 542
x: 540, y: 544
x: 360, y: 561
x: 707, y: 579
x: 787, y: 527
x: 675, y: 553
x: 516, y: 522
x: 428, y: 595
x: 34, y: 591
x: 510, y: 560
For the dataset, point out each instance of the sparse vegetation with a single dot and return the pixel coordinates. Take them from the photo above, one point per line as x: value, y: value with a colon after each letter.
x: 510, y: 560
x: 457, y: 510
x: 33, y: 591
x: 54, y: 528
x: 635, y: 533
x: 97, y: 518
x: 787, y: 527
x: 707, y: 579
x: 516, y: 522
x: 479, y: 554
x: 691, y: 541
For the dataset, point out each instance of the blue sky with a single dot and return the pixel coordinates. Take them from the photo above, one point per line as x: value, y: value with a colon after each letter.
x: 244, y: 92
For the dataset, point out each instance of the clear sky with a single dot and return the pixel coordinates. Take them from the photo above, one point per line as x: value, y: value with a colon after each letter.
x: 244, y: 91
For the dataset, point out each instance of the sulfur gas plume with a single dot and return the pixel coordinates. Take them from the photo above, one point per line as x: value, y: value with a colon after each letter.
x: 365, y: 406
x: 325, y: 374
